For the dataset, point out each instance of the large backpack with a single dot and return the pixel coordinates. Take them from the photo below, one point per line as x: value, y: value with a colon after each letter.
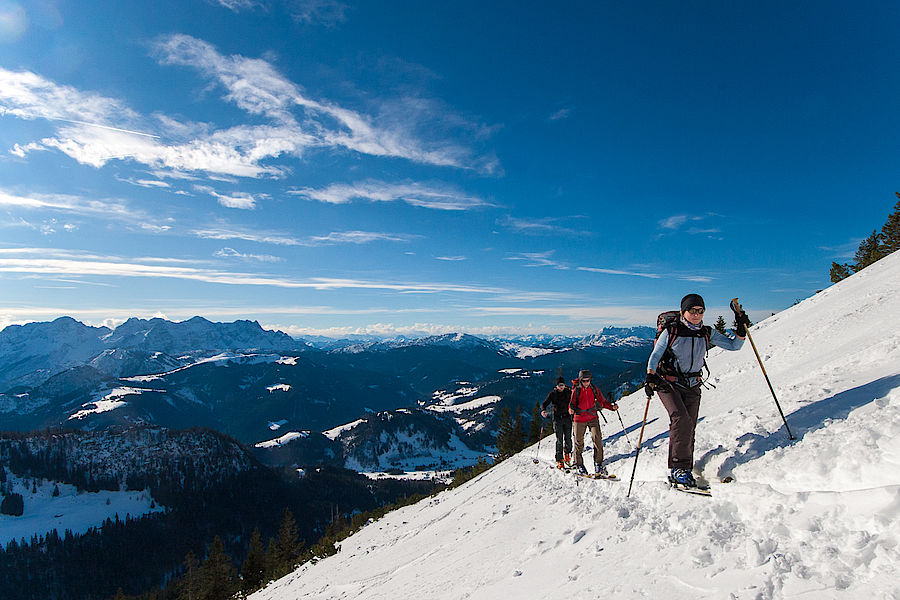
x: 576, y: 392
x: 669, y: 321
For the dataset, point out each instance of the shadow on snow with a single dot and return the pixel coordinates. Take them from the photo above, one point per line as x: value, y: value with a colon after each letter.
x: 803, y: 421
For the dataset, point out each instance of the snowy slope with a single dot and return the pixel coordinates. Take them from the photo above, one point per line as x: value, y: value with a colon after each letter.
x: 818, y: 517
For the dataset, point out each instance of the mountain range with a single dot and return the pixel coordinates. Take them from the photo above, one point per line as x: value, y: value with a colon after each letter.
x: 278, y: 394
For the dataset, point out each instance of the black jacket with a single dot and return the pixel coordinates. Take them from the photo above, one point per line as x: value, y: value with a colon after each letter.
x: 560, y: 402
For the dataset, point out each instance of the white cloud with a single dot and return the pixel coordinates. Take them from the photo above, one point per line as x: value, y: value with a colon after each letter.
x: 29, y: 96
x: 232, y: 253
x: 237, y: 5
x: 262, y: 237
x: 539, y: 259
x: 415, y: 194
x: 451, y: 258
x: 241, y: 200
x: 95, y: 129
x: 563, y: 113
x: 618, y: 272
x: 119, y: 268
x: 359, y: 237
x: 335, y: 237
x: 326, y: 12
x: 109, y: 209
x: 254, y: 85
x: 673, y: 222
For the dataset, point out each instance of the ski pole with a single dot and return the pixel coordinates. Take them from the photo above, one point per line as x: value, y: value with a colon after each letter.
x: 640, y: 441
x: 735, y: 305
x: 623, y: 428
x: 540, y: 437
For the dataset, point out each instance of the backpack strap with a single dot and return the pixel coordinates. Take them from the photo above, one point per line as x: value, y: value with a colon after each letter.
x: 669, y: 366
x: 594, y: 409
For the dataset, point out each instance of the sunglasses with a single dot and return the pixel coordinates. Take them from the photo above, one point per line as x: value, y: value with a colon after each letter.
x: 696, y: 311
x: 586, y: 380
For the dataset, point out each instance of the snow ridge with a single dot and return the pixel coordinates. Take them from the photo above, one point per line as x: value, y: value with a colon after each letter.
x: 818, y: 517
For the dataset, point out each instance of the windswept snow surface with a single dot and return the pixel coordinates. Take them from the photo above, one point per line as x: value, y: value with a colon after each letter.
x: 818, y: 517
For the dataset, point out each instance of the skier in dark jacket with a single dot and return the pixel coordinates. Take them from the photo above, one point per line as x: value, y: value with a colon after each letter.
x: 674, y: 373
x: 558, y: 402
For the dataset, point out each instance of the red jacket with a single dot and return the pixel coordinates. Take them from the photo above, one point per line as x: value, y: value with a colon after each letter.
x: 586, y: 402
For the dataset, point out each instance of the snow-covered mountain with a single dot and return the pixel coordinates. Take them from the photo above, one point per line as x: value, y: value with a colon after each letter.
x: 239, y: 378
x: 30, y: 354
x: 817, y: 517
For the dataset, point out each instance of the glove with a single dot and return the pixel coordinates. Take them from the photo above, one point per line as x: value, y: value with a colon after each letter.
x: 655, y: 382
x: 741, y: 319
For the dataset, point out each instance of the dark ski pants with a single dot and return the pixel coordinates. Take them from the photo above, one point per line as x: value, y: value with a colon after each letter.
x: 683, y: 406
x: 596, y: 438
x: 563, y: 429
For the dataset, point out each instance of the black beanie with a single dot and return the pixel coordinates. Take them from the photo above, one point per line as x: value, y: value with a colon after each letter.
x: 560, y: 380
x: 690, y: 301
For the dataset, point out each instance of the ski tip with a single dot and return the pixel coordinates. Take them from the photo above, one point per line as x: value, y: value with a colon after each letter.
x: 728, y: 479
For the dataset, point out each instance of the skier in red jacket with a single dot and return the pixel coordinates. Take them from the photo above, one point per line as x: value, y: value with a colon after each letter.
x: 585, y: 405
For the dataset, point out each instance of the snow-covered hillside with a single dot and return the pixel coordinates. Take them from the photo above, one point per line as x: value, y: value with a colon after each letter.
x: 818, y: 517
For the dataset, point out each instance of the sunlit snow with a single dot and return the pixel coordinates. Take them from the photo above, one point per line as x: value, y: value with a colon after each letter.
x: 818, y: 517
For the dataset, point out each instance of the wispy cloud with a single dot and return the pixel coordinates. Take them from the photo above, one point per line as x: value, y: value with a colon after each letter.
x: 237, y: 5
x: 94, y: 129
x: 539, y: 259
x: 676, y: 223
x: 359, y: 237
x: 451, y: 258
x: 225, y: 232
x: 618, y: 272
x: 241, y: 200
x: 255, y: 86
x: 543, y: 225
x: 326, y: 12
x: 108, y: 268
x: 107, y: 209
x: 232, y: 253
x: 29, y: 96
x: 415, y: 194
x: 563, y: 113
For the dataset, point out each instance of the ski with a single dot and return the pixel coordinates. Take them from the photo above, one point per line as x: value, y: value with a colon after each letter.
x: 596, y: 476
x: 697, y: 491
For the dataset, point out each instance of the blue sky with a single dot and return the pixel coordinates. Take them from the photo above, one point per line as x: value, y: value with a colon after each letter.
x: 332, y: 167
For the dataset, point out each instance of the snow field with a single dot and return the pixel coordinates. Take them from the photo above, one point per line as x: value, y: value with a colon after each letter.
x: 817, y: 517
x: 72, y: 510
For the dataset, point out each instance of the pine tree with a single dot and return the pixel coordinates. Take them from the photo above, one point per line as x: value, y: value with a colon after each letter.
x: 840, y: 272
x: 505, y: 434
x: 188, y: 587
x: 720, y: 325
x: 869, y: 251
x: 253, y: 570
x: 218, y: 577
x: 287, y: 544
x: 519, y: 439
x: 272, y: 570
x: 534, y: 429
x: 890, y: 231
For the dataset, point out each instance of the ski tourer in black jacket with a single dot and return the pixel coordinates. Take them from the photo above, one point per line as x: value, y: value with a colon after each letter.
x: 560, y: 401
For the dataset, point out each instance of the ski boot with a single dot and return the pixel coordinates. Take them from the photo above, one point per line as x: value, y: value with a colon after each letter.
x: 601, y: 471
x: 580, y: 470
x: 560, y: 464
x: 567, y: 458
x: 683, y: 477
